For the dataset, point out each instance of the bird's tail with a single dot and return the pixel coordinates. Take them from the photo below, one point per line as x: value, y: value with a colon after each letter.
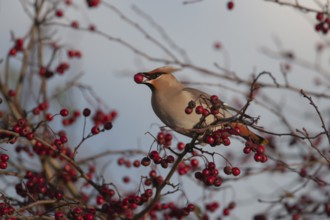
x: 249, y: 135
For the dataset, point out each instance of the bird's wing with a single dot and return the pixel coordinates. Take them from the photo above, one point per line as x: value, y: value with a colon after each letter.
x: 197, y: 95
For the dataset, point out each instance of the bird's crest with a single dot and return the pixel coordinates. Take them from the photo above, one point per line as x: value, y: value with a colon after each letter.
x: 165, y: 69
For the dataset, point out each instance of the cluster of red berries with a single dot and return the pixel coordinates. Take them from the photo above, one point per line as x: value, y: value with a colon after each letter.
x: 6, y: 209
x: 164, y: 161
x: 62, y: 67
x: 18, y: 47
x: 164, y: 139
x: 209, y: 175
x: 153, y: 179
x: 42, y: 149
x: 45, y: 72
x: 171, y: 211
x: 77, y: 213
x: 41, y: 107
x: 93, y: 3
x: 205, y: 110
x: 3, y: 161
x: 24, y: 148
x: 226, y: 211
x: 259, y: 151
x: 121, y: 161
x: 231, y: 170
x: 59, y: 144
x: 323, y: 24
x: 68, y: 173
x: 37, y: 187
x: 106, y: 193
x: 102, y: 118
x: 185, y: 166
x: 23, y: 129
x: 123, y: 206
x: 72, y: 119
x: 74, y: 53
x: 220, y: 136
x: 212, y: 206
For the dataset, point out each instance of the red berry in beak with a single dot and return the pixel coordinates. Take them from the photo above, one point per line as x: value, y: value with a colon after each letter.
x: 138, y: 78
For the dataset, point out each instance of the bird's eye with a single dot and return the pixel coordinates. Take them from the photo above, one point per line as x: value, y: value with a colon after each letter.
x: 155, y: 75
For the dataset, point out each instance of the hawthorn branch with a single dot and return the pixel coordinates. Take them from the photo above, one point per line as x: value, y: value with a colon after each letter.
x: 311, y: 102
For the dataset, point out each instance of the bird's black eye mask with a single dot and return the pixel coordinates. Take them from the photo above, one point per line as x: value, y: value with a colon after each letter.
x: 152, y: 76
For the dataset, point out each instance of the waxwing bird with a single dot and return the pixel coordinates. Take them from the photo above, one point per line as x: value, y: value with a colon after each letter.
x: 173, y: 103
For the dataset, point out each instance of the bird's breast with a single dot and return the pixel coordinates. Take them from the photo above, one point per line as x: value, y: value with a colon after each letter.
x: 170, y: 108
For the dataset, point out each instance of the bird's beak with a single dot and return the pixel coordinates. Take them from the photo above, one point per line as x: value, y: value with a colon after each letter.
x: 142, y: 78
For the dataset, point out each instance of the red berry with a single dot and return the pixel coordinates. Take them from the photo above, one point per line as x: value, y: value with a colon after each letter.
x: 181, y: 146
x: 59, y: 195
x: 226, y: 141
x: 4, y: 157
x: 319, y: 16
x: 93, y: 3
x: 19, y: 44
x: 95, y: 130
x: 232, y: 205
x: 12, y: 52
x: 107, y: 125
x: 264, y: 159
x: 194, y: 162
x: 3, y: 165
x: 247, y: 150
x: 216, y: 45
x: 138, y: 78
x: 64, y: 139
x: 260, y: 149
x: 258, y: 157
x: 205, y: 112
x: 86, y: 112
x: 58, y: 215
x: 209, y: 139
x: 226, y: 212
x: 74, y: 24
x: 168, y: 137
x: 236, y: 171
x: 64, y: 112
x: 191, y: 207
x: 71, y: 53
x: 227, y: 170
x: 170, y: 159
x: 152, y: 173
x: 145, y: 161
x: 78, y: 54
x: 136, y: 163
x: 211, y: 166
x: 199, y: 109
x: 76, y: 113
x: 49, y: 117
x: 43, y: 106
x: 11, y: 93
x: 59, y: 13
x: 217, y: 182
x: 126, y: 179
x: 188, y: 110
x: 92, y: 27
x: 230, y: 5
